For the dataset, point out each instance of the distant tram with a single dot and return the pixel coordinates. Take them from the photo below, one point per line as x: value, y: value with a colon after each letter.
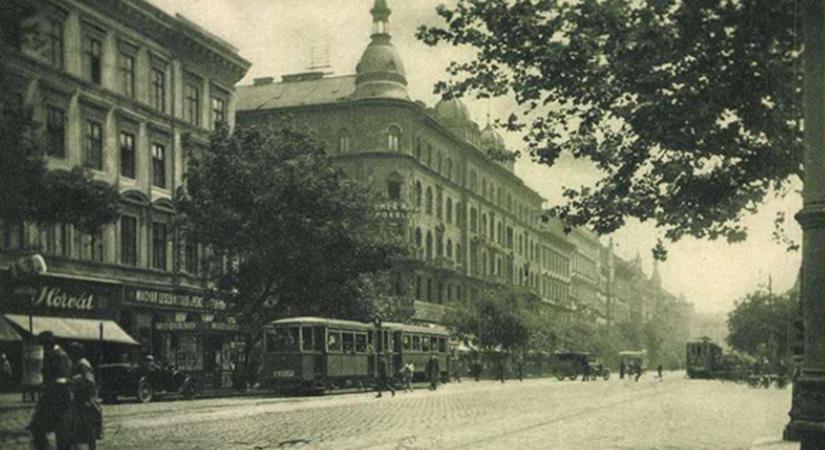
x: 314, y: 353
x: 704, y: 358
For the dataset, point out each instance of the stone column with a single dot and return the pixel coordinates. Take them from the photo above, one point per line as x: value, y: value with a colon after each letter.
x: 808, y: 409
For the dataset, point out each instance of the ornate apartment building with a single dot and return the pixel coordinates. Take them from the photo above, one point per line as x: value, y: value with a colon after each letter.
x: 116, y: 85
x: 471, y: 221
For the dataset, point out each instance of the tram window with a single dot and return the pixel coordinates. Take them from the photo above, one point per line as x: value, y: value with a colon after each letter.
x: 282, y: 340
x: 334, y: 342
x: 407, y: 343
x: 434, y: 343
x: 360, y: 343
x: 306, y: 338
x: 425, y: 344
x: 349, y: 343
x: 416, y: 346
x: 319, y: 338
x: 442, y: 345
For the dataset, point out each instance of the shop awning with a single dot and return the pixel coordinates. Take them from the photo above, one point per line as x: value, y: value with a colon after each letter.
x: 80, y: 329
x: 7, y: 332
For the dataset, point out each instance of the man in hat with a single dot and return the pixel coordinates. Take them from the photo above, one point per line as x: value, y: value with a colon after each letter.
x: 52, y: 409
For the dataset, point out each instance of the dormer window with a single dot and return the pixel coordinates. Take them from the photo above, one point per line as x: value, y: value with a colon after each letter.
x: 394, y: 139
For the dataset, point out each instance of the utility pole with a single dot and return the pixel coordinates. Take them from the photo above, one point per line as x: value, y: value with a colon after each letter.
x: 808, y: 408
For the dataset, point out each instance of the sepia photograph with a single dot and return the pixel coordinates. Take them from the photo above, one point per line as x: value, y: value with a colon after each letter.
x: 412, y: 224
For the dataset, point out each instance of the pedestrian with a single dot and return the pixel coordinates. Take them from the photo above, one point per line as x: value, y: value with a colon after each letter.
x: 5, y: 373
x: 384, y: 383
x: 476, y: 367
x: 502, y: 369
x: 638, y: 370
x: 52, y: 410
x: 659, y: 370
x: 88, y: 415
x: 520, y: 369
x: 587, y: 371
x: 408, y: 370
x: 622, y: 369
x: 433, y: 371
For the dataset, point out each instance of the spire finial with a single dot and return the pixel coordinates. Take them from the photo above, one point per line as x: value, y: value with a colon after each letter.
x: 380, y: 17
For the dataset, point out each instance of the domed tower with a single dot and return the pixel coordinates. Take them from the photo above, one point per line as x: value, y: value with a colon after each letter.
x: 454, y: 115
x: 380, y: 72
x: 491, y: 140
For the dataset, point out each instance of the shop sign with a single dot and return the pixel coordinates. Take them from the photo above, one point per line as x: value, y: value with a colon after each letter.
x: 193, y: 326
x: 62, y: 296
x: 174, y: 299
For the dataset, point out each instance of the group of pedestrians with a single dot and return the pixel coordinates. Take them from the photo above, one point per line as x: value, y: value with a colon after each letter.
x: 406, y: 372
x: 67, y: 405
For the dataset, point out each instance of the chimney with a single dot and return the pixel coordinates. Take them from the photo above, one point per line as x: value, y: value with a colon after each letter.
x: 263, y: 81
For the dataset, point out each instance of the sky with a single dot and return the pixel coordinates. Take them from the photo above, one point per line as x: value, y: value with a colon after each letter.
x: 278, y: 37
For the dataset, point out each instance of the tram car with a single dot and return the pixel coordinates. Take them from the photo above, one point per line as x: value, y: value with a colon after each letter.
x: 319, y: 354
x: 704, y: 358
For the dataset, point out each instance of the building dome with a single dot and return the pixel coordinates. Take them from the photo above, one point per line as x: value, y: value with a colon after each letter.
x: 491, y: 139
x: 380, y: 73
x: 452, y: 110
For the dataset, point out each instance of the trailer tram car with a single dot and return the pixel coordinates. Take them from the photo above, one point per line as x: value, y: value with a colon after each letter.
x: 415, y: 344
x: 313, y: 353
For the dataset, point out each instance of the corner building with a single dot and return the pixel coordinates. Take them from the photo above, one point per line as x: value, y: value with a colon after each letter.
x: 117, y: 85
x: 471, y: 221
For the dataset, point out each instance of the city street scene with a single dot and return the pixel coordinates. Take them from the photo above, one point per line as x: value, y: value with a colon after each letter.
x: 430, y: 224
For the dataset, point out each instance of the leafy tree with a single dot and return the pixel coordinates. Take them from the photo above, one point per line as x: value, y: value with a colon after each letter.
x: 31, y: 192
x: 495, y: 320
x: 688, y: 108
x: 760, y: 322
x: 289, y: 234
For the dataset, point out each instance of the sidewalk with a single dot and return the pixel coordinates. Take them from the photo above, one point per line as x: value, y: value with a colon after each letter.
x: 774, y: 443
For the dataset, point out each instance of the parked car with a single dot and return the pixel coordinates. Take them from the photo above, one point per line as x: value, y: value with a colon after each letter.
x: 144, y: 381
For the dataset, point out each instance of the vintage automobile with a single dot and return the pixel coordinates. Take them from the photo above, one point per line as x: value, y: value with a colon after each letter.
x: 572, y: 364
x: 144, y: 381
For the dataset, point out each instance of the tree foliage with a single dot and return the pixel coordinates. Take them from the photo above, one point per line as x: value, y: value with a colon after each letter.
x: 289, y: 234
x: 494, y: 320
x: 759, y: 324
x: 689, y: 109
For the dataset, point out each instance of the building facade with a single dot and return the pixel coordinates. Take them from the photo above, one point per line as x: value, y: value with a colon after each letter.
x: 117, y: 86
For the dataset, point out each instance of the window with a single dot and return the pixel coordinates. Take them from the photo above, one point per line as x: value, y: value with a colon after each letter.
x: 418, y: 194
x: 348, y: 343
x: 128, y: 240
x: 361, y: 343
x: 92, y: 60
x: 394, y: 139
x: 158, y: 90
x: 439, y: 205
x: 54, y: 43
x: 394, y: 189
x: 449, y: 210
x: 159, y: 245
x: 418, y: 237
x: 429, y: 247
x: 429, y: 201
x: 127, y: 154
x: 191, y: 256
x: 439, y: 245
x: 334, y: 341
x: 429, y: 290
x: 158, y: 165
x: 90, y: 246
x: 218, y: 111
x: 473, y: 220
x: 94, y: 145
x: 416, y: 343
x: 14, y: 235
x: 56, y: 132
x: 127, y: 74
x: 418, y: 288
x: 449, y: 248
x: 192, y: 104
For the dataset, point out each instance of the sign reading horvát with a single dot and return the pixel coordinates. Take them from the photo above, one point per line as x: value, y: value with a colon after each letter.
x: 176, y: 299
x: 55, y: 297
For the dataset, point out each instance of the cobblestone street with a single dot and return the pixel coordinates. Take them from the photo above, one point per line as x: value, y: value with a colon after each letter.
x: 545, y: 413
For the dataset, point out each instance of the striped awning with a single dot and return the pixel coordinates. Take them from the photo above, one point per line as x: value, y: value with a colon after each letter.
x: 70, y: 328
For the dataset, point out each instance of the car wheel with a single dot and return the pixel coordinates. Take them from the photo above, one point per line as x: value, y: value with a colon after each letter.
x: 573, y: 377
x: 145, y: 391
x: 560, y: 376
x: 606, y: 376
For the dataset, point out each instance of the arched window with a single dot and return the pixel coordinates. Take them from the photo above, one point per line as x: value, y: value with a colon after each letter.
x: 418, y: 194
x: 394, y: 138
x: 418, y: 237
x: 473, y: 220
x: 449, y: 248
x: 429, y: 201
x: 449, y: 210
x: 439, y: 208
x: 484, y: 224
x: 429, y: 248
x: 343, y: 141
x: 439, y: 245
x: 458, y: 255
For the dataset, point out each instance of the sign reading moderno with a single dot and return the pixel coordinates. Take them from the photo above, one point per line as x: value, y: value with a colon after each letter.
x: 173, y: 299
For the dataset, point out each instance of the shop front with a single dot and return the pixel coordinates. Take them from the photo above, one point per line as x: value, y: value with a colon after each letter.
x: 184, y: 328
